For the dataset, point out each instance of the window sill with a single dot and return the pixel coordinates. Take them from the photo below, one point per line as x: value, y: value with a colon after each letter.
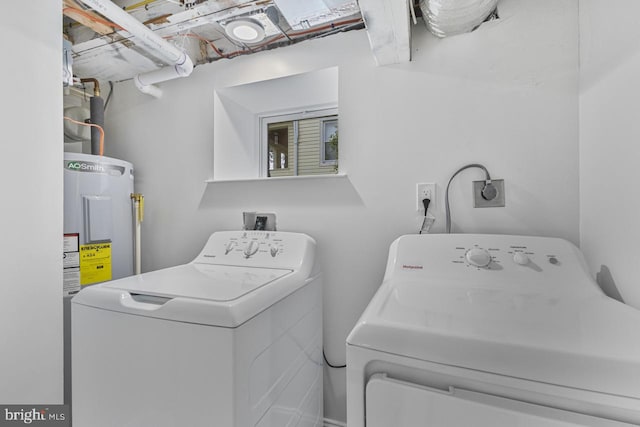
x: 279, y: 178
x: 275, y: 193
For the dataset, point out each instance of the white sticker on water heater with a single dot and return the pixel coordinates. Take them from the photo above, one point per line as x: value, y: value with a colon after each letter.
x: 71, y: 264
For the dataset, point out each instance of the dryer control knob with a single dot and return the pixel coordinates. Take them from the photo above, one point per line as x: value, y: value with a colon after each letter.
x: 251, y: 248
x: 478, y: 257
x: 520, y: 258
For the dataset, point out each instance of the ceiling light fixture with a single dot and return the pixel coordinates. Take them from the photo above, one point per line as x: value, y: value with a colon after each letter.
x: 245, y: 30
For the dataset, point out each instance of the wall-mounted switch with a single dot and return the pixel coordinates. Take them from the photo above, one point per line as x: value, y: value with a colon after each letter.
x: 494, y: 198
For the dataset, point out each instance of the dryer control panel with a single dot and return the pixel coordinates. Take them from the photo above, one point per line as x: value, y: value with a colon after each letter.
x: 272, y: 249
x: 487, y: 260
x: 492, y: 256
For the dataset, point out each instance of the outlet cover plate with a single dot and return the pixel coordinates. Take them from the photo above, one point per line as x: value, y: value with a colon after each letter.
x: 481, y: 202
x: 425, y: 189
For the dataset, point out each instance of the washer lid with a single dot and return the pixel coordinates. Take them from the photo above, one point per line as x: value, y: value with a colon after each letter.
x: 201, y: 281
x: 587, y: 341
x: 215, y: 295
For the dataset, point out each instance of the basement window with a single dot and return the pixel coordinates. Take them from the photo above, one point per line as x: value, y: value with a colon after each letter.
x: 298, y: 144
x: 286, y: 126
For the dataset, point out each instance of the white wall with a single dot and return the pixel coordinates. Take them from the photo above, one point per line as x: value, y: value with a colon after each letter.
x: 31, y: 227
x: 609, y: 148
x: 505, y: 96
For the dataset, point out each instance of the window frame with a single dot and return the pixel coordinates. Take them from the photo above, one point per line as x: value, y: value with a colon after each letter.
x: 264, y: 120
x: 323, y: 141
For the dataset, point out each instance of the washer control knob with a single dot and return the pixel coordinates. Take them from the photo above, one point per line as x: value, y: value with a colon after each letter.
x: 229, y: 247
x: 251, y: 248
x: 520, y: 258
x: 273, y: 250
x: 478, y: 257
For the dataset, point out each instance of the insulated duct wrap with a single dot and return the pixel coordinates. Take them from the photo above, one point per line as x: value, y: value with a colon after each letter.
x: 96, y: 107
x: 450, y: 17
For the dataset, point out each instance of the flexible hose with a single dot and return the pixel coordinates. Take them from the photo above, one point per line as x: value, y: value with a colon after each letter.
x: 446, y: 194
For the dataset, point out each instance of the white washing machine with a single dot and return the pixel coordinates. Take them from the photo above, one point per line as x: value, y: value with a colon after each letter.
x: 232, y: 339
x: 495, y: 331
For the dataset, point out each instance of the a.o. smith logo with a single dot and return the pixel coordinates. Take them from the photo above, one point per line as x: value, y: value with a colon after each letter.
x: 79, y: 166
x: 86, y: 166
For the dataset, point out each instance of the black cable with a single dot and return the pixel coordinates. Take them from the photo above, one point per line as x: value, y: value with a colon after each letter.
x: 425, y: 203
x: 106, y: 103
x: 329, y: 364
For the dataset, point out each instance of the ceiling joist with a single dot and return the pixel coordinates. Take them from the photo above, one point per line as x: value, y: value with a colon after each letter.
x: 87, y: 18
x: 388, y: 28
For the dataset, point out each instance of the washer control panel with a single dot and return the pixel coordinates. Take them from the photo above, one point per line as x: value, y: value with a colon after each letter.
x: 251, y: 244
x: 257, y: 248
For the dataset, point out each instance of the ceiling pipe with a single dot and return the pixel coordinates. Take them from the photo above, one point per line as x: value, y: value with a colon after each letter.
x: 182, y: 66
x: 145, y: 82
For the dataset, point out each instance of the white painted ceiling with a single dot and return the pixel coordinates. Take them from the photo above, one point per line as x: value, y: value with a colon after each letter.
x: 100, y: 50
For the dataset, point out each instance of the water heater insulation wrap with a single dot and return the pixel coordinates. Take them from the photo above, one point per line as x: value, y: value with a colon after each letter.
x: 98, y: 214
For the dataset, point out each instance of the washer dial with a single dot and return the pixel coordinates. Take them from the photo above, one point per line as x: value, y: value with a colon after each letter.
x: 521, y: 258
x: 251, y: 248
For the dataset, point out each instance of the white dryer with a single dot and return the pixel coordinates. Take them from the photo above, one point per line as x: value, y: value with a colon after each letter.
x: 495, y: 331
x: 232, y: 339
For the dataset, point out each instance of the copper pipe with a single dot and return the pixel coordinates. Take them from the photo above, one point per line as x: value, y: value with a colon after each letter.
x: 96, y: 85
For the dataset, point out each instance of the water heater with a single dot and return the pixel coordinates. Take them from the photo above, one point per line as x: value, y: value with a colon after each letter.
x: 98, y: 220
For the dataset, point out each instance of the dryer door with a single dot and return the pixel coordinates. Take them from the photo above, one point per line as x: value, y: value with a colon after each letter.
x: 391, y: 402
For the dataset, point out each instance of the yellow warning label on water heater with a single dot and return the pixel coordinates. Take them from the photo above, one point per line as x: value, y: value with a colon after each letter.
x: 95, y: 263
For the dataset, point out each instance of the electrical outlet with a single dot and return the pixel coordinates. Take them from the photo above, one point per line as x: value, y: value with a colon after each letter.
x: 425, y: 190
x: 480, y: 202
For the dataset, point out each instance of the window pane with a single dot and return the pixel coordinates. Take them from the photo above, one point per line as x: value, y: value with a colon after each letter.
x: 330, y: 141
x: 301, y: 144
x: 279, y: 135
